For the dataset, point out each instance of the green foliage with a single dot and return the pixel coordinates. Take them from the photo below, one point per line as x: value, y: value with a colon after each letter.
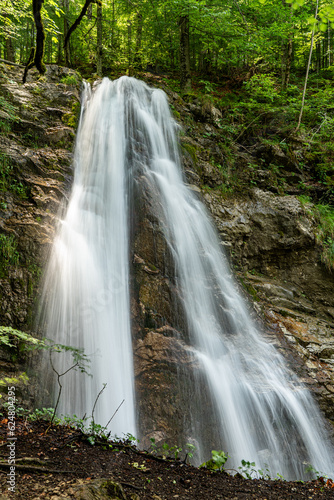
x: 10, y: 336
x: 5, y: 127
x: 8, y: 110
x: 325, y: 233
x: 324, y: 216
x: 262, y: 87
x: 217, y: 462
x: 22, y: 378
x: 18, y: 343
x: 72, y: 79
x: 72, y: 119
x: 80, y: 360
x: 208, y: 86
x: 247, y: 469
x: 171, y: 452
x: 41, y: 414
x: 94, y: 432
x: 9, y: 254
x: 8, y: 182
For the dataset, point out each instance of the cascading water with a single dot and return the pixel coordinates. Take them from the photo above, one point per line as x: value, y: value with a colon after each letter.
x: 87, y: 283
x: 264, y: 413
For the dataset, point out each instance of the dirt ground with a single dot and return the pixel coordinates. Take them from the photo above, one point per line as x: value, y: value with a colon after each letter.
x: 58, y: 462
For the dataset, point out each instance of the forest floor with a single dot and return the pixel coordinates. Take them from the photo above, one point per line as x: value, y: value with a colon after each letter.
x: 57, y: 462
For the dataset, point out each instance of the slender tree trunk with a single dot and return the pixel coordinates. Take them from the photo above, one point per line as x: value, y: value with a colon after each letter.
x: 129, y: 46
x: 329, y: 47
x: 185, y: 75
x: 9, y: 49
x: 67, y: 49
x: 287, y: 55
x: 113, y: 25
x: 99, y: 47
x: 9, y: 53
x: 60, y: 49
x: 318, y: 56
x: 286, y: 63
x: 307, y: 71
x: 139, y: 31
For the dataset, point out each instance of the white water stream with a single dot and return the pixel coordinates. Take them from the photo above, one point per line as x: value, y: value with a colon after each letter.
x: 265, y: 414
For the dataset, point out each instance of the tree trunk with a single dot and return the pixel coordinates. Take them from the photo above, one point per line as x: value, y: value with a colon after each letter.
x: 78, y: 21
x: 129, y: 47
x: 318, y: 59
x: 286, y: 63
x: 9, y: 53
x: 307, y: 71
x: 185, y: 77
x: 139, y: 31
x: 329, y: 44
x: 37, y: 53
x: 99, y: 47
x: 9, y: 49
x: 40, y: 36
x: 60, y: 52
x: 286, y: 59
x: 67, y: 50
x: 113, y: 25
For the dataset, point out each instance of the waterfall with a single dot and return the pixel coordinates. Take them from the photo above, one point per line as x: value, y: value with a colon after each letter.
x: 263, y: 412
x: 87, y: 280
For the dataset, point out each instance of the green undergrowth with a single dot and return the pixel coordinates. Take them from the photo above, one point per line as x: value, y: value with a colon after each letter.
x: 8, y: 115
x: 99, y: 435
x: 324, y: 217
x: 258, y: 121
x: 9, y: 254
x: 8, y: 180
x: 325, y: 233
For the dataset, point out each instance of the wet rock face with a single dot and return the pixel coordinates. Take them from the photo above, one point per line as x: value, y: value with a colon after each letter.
x: 36, y: 173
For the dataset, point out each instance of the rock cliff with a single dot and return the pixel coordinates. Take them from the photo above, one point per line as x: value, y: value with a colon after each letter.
x: 269, y: 236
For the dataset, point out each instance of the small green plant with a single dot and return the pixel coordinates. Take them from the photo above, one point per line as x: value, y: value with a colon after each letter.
x: 153, y: 446
x: 70, y: 80
x: 170, y: 451
x: 8, y: 182
x: 129, y: 438
x: 190, y: 450
x: 42, y: 414
x: 247, y: 469
x: 208, y: 86
x: 141, y: 467
x: 9, y: 254
x: 217, y: 461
